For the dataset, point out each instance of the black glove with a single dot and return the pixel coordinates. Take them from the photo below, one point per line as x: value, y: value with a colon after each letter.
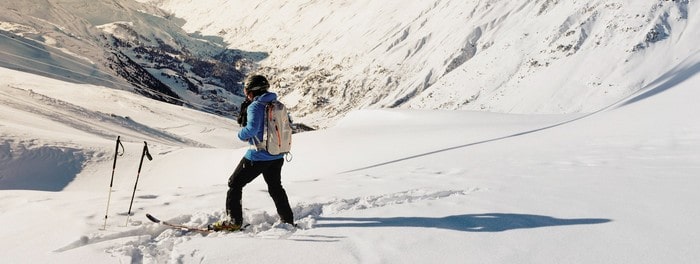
x: 243, y: 115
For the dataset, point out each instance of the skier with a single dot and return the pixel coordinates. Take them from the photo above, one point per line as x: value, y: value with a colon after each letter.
x: 255, y: 162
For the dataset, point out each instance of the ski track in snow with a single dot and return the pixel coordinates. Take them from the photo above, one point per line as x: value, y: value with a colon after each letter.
x: 155, y: 243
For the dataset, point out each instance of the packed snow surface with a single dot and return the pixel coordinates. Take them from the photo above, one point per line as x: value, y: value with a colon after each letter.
x: 383, y: 186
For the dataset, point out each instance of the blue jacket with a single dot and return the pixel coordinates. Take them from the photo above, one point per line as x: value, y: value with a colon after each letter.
x: 254, y: 128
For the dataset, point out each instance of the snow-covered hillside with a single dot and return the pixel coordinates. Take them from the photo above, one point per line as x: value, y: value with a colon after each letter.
x: 329, y: 58
x: 123, y: 45
x: 615, y: 186
x: 595, y: 159
x: 520, y: 56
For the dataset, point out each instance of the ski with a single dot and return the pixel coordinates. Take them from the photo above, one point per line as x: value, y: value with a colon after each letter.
x: 181, y: 227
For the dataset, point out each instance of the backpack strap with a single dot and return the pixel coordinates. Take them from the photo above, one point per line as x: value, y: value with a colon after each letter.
x: 261, y: 144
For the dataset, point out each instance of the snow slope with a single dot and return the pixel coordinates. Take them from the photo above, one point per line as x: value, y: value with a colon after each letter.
x: 612, y: 180
x: 383, y: 186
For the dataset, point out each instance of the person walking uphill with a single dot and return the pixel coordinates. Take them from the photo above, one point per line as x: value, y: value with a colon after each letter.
x: 256, y: 161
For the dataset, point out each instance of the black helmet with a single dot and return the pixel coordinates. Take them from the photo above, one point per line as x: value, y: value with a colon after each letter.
x: 256, y: 83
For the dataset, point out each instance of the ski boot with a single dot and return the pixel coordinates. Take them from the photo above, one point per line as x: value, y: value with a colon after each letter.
x: 225, y: 225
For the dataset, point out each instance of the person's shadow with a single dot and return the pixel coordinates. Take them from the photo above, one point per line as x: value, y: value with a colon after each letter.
x: 492, y: 222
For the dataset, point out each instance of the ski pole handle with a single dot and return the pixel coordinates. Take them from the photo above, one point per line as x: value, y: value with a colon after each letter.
x: 145, y: 151
x: 116, y: 153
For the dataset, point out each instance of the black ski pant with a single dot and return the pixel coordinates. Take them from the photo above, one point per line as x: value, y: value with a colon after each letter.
x: 246, y: 172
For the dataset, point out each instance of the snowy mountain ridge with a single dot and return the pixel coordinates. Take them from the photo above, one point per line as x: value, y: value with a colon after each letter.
x: 442, y: 54
x: 124, y: 45
x: 329, y: 58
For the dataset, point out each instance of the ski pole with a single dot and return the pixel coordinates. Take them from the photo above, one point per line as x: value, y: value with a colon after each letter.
x: 111, y: 181
x: 148, y: 155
